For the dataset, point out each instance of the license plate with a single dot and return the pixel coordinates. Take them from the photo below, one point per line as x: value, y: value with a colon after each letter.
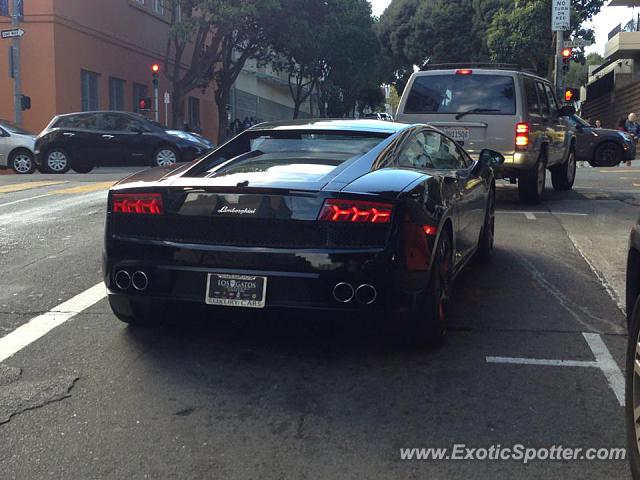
x: 236, y: 290
x: 458, y: 133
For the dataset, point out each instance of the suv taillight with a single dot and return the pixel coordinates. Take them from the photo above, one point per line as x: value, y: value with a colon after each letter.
x: 137, y: 203
x: 522, y: 136
x: 355, y: 211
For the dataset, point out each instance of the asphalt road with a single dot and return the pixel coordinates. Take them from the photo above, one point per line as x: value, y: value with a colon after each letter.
x: 534, y: 357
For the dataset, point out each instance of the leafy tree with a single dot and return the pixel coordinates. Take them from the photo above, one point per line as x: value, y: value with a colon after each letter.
x: 210, y: 41
x: 522, y: 32
x: 579, y: 72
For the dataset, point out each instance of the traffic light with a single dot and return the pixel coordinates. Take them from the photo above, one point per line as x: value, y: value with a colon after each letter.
x: 571, y: 94
x: 155, y: 70
x: 25, y: 103
x: 567, y: 55
x: 144, y: 104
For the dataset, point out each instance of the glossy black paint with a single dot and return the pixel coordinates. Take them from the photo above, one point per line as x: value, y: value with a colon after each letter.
x: 302, y: 257
x: 98, y: 144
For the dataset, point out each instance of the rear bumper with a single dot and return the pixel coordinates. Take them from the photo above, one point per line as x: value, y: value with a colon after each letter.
x: 516, y: 163
x: 302, y: 279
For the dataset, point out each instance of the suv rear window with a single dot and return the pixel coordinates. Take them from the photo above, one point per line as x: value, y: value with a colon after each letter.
x: 450, y: 93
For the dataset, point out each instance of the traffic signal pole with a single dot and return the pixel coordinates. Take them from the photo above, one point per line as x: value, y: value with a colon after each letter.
x: 15, y: 54
x: 559, y: 71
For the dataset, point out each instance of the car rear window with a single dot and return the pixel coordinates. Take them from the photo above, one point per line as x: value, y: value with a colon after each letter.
x: 294, y: 150
x: 453, y: 94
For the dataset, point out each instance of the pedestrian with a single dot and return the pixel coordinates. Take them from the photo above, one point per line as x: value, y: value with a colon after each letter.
x: 632, y: 127
x: 246, y: 124
x: 598, y: 124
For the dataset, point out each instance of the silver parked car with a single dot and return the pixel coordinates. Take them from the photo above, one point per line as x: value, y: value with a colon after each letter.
x: 502, y: 108
x: 16, y: 148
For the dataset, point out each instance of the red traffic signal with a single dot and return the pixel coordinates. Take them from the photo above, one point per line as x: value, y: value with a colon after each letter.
x: 144, y: 104
x: 567, y: 53
x: 155, y: 68
x: 571, y: 94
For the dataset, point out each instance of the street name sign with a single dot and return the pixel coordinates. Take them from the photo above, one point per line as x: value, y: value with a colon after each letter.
x: 561, y: 15
x: 13, y: 33
x: 578, y: 43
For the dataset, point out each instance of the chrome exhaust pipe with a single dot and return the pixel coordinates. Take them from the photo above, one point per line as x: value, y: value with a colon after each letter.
x: 343, y: 292
x: 366, y: 294
x: 140, y: 280
x: 123, y: 280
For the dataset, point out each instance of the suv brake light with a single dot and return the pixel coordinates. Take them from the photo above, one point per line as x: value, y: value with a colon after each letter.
x: 355, y: 211
x: 138, y: 203
x: 464, y: 71
x: 522, y: 136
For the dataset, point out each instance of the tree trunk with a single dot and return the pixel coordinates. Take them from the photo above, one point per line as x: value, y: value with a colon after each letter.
x: 222, y: 97
x: 178, y: 108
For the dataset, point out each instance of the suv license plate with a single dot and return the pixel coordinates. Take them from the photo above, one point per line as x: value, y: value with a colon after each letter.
x: 226, y: 290
x: 458, y: 133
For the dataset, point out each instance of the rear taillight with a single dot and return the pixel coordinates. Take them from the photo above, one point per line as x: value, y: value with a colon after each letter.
x: 464, y: 71
x: 137, y: 203
x: 418, y: 246
x: 355, y: 211
x: 522, y: 136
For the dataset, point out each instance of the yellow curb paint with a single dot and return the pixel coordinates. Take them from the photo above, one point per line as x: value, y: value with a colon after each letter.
x: 90, y: 187
x: 19, y: 187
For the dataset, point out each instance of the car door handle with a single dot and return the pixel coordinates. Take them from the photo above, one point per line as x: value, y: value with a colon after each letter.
x: 68, y: 134
x: 108, y: 137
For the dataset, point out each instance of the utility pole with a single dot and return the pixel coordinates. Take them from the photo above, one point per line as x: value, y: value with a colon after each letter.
x: 15, y: 57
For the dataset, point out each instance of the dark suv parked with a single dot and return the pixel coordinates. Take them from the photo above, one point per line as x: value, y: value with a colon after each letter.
x: 82, y: 141
x: 601, y: 147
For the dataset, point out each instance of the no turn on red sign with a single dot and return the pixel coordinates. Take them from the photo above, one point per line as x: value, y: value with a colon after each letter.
x: 561, y: 15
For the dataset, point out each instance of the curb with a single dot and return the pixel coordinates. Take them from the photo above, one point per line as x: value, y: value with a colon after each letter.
x: 7, y: 171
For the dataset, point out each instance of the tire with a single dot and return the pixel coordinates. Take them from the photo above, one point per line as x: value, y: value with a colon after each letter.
x: 135, y: 313
x: 531, y: 184
x: 82, y: 168
x: 563, y: 176
x: 22, y: 162
x: 428, y: 326
x: 56, y: 161
x: 485, y: 244
x: 632, y: 393
x: 165, y: 157
x: 608, y: 154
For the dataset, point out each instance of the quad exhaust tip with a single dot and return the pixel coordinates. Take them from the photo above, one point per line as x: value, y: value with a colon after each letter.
x: 140, y: 280
x: 123, y: 280
x: 343, y: 292
x: 366, y: 294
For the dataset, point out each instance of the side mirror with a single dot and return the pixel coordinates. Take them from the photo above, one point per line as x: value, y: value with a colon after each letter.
x: 567, y: 111
x: 491, y: 158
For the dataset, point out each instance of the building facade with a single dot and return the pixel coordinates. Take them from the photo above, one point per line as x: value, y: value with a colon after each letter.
x: 97, y: 55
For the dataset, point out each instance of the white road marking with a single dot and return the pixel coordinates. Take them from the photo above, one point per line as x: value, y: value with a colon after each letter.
x: 529, y: 216
x: 518, y: 212
x: 601, y: 278
x: 603, y: 361
x: 542, y: 362
x: 607, y: 364
x: 22, y: 200
x: 39, y: 326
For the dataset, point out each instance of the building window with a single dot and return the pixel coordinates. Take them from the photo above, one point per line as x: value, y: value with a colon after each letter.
x: 157, y: 6
x: 116, y: 94
x: 139, y: 92
x: 194, y: 113
x: 90, y: 90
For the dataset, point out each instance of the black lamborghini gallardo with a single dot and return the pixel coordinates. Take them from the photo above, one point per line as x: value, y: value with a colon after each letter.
x: 337, y: 214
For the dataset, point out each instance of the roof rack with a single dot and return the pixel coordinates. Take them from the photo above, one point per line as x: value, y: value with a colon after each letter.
x: 451, y: 66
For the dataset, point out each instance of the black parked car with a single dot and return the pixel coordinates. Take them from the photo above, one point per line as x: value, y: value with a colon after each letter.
x: 82, y: 141
x: 632, y: 403
x: 335, y: 215
x: 601, y: 147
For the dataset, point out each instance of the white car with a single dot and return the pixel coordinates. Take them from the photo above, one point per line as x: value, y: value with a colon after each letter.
x: 16, y: 148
